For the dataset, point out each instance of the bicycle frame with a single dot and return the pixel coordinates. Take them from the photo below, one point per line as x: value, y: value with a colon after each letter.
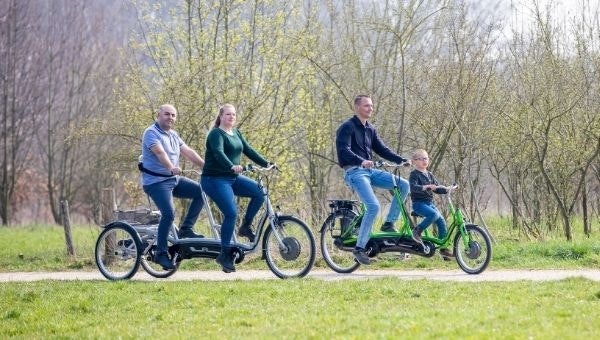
x: 288, y: 245
x: 407, y: 225
x: 457, y: 225
x: 150, y: 232
x: 405, y: 229
x: 269, y: 212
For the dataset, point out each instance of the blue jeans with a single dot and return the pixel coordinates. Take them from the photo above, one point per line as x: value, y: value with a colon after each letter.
x: 430, y: 214
x: 362, y: 180
x: 222, y: 190
x: 162, y: 194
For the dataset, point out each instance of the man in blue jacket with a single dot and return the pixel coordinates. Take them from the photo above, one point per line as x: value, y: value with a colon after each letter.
x: 356, y: 141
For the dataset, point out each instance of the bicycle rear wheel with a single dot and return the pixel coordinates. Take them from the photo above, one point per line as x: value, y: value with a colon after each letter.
x: 474, y: 256
x: 337, y: 258
x: 295, y: 255
x: 118, y: 252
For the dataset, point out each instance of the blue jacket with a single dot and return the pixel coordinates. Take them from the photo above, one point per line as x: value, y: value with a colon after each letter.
x: 356, y: 142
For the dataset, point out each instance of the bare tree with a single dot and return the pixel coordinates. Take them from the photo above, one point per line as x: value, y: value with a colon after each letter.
x: 19, y: 97
x: 77, y: 85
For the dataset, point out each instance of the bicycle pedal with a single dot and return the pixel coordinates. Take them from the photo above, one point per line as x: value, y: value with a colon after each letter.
x: 125, y: 243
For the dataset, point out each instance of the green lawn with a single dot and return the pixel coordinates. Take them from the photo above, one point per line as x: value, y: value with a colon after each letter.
x: 301, y: 308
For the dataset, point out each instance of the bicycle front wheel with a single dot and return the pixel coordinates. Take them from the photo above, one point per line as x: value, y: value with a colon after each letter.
x: 289, y: 249
x: 155, y: 269
x: 474, y: 255
x: 334, y: 253
x: 118, y: 252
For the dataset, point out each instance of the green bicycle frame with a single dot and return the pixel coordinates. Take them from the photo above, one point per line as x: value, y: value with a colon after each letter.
x: 458, y: 225
x: 349, y: 237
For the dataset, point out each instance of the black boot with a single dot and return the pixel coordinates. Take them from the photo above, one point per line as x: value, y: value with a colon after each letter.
x: 246, y: 231
x: 361, y: 256
x: 188, y: 233
x: 446, y: 254
x: 389, y: 227
x: 162, y: 258
x: 225, y: 259
x: 416, y: 235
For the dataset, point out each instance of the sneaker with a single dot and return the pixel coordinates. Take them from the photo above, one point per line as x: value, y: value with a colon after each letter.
x: 188, y: 233
x: 416, y: 235
x: 246, y: 231
x: 446, y: 254
x: 225, y: 259
x: 361, y: 256
x: 162, y: 258
x: 388, y: 227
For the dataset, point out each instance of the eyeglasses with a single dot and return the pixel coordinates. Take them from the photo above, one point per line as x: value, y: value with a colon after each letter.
x: 422, y: 159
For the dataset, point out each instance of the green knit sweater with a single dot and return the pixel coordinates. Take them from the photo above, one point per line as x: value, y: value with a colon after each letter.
x: 224, y: 151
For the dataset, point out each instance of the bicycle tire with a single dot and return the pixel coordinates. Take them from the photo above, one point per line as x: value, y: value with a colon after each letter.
x: 476, y: 256
x: 153, y: 268
x: 297, y: 258
x: 117, y: 252
x: 339, y: 260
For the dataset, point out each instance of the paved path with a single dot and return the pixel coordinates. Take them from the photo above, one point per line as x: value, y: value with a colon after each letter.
x: 326, y: 275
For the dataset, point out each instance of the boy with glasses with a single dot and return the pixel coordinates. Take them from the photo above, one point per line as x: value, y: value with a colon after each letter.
x: 422, y: 187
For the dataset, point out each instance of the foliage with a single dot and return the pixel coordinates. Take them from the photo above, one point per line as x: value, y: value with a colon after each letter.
x: 210, y: 53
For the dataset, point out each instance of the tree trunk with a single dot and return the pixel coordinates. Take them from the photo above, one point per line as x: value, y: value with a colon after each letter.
x: 584, y: 210
x: 66, y: 218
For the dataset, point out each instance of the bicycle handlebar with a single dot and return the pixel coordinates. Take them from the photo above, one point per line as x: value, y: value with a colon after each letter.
x: 382, y: 164
x: 449, y: 187
x: 256, y: 168
x: 191, y: 171
x: 247, y: 168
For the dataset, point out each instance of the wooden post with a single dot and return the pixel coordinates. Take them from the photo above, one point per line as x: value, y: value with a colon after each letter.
x: 66, y: 219
x: 109, y: 207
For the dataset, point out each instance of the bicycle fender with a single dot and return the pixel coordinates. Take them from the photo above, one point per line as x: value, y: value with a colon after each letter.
x: 127, y: 226
x: 113, y: 223
x: 326, y: 223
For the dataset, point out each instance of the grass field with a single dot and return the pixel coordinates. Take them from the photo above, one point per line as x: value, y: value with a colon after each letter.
x: 302, y: 308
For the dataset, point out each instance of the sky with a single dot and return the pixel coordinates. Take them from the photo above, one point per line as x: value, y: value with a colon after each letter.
x: 520, y: 12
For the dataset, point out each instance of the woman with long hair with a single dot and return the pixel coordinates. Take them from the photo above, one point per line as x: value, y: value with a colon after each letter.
x: 222, y: 180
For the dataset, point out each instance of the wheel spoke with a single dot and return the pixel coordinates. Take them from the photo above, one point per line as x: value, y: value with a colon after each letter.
x: 117, y: 254
x: 292, y: 254
x: 473, y: 254
x: 340, y: 260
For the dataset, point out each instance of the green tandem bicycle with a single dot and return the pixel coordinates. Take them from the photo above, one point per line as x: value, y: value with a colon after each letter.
x: 471, y: 244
